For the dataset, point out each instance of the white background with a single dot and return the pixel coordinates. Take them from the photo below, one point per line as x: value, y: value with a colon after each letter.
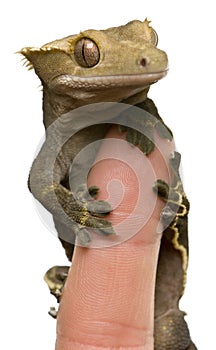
x: 186, y: 101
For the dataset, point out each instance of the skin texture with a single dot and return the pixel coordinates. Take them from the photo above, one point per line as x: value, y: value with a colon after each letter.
x: 88, y: 68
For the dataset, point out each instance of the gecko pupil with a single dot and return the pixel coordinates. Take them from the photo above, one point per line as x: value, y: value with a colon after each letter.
x: 86, y: 53
x: 144, y: 62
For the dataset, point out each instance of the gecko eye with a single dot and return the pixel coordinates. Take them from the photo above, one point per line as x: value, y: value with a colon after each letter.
x: 154, y: 37
x: 86, y: 53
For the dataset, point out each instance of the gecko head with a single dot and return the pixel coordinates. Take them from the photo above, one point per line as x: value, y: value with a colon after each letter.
x: 106, y: 65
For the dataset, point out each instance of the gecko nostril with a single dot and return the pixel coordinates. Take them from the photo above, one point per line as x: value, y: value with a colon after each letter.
x: 144, y: 62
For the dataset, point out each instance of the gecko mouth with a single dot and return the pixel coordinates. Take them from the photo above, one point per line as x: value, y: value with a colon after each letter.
x: 64, y: 82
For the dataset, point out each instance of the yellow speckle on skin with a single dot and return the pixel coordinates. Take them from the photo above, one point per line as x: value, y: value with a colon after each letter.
x: 85, y: 216
x: 48, y: 189
x: 183, y: 252
x: 175, y: 240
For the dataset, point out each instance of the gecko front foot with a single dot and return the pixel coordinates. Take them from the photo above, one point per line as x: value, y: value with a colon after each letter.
x: 83, y: 212
x: 163, y: 190
x: 136, y: 138
x: 144, y: 122
x: 177, y: 204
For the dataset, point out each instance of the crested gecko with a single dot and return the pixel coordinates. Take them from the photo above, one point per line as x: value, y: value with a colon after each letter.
x: 114, y: 65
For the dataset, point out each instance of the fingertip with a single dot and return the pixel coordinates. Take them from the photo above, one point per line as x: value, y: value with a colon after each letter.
x: 108, y: 299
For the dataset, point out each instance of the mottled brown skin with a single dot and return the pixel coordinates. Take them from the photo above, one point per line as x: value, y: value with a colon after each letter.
x: 88, y: 68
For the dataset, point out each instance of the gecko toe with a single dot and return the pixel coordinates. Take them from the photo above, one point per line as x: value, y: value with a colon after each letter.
x: 99, y: 208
